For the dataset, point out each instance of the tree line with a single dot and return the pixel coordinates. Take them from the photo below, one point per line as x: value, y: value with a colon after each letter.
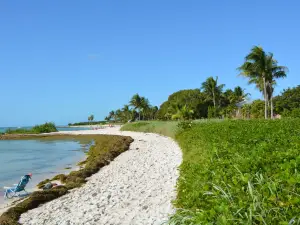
x: 138, y: 107
x: 212, y: 100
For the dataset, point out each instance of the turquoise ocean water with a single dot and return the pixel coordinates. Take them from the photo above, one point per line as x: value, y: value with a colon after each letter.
x: 44, y: 159
x: 3, y: 129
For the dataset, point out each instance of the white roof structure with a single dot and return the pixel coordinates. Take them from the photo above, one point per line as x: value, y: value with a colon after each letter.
x: 242, y: 103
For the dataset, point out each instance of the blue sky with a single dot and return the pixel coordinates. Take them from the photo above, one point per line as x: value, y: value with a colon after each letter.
x: 63, y: 60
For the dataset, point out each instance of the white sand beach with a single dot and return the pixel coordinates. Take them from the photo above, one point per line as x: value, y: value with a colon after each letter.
x: 136, y: 188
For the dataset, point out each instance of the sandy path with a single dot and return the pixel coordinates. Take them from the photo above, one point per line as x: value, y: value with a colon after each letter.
x: 136, y: 188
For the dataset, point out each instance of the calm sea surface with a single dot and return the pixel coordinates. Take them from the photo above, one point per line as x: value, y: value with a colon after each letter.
x: 44, y: 159
x: 3, y: 129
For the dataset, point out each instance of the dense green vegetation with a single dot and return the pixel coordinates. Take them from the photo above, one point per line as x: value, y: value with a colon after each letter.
x: 288, y: 103
x: 212, y: 100
x: 87, y: 123
x: 237, y: 171
x: 138, y: 108
x: 105, y: 149
x: 38, y: 129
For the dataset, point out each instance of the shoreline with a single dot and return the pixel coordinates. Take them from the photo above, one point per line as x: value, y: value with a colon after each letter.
x: 136, y: 187
x: 5, y: 204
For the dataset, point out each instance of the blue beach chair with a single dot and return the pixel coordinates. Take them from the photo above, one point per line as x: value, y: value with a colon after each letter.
x: 17, y: 189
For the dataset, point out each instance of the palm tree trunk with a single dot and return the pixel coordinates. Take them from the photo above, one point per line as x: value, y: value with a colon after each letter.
x: 266, y: 99
x: 214, y: 99
x: 272, y: 113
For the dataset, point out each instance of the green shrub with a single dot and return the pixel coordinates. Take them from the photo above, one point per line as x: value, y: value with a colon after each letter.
x: 294, y: 113
x: 87, y: 123
x: 212, y: 112
x: 183, y: 125
x: 239, y: 172
x: 44, y: 128
x: 18, y: 131
x: 38, y: 129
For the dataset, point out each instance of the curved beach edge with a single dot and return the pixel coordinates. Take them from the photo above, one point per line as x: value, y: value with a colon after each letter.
x: 136, y: 188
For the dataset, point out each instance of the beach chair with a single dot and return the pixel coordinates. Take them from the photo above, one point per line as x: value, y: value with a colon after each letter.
x: 15, y: 191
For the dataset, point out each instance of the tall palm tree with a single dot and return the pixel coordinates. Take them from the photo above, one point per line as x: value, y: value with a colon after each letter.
x: 274, y: 72
x: 136, y: 102
x: 92, y: 117
x: 212, y: 89
x: 254, y: 67
x: 262, y: 70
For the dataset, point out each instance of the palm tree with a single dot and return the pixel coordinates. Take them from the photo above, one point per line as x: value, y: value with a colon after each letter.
x: 254, y: 67
x: 91, y: 118
x: 133, y: 114
x: 136, y: 103
x: 153, y: 112
x: 212, y: 89
x: 126, y: 111
x: 262, y: 70
x: 239, y: 94
x: 107, y: 118
x: 246, y: 109
x: 118, y: 115
x: 274, y: 72
x: 145, y: 106
x: 182, y: 113
x: 112, y: 115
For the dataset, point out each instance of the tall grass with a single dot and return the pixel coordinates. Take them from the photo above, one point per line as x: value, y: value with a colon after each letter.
x: 166, y: 128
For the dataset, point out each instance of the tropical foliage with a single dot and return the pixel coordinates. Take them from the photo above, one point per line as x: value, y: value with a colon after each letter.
x: 212, y: 100
x: 212, y: 90
x: 86, y: 123
x: 288, y: 103
x: 262, y: 69
x: 208, y: 102
x: 91, y: 118
x: 138, y: 108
